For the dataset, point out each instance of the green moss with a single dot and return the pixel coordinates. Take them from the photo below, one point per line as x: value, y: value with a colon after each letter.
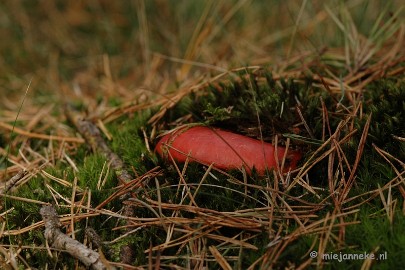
x: 91, y: 172
x: 241, y: 103
x: 129, y: 142
x: 371, y: 234
x: 377, y: 232
x: 385, y: 100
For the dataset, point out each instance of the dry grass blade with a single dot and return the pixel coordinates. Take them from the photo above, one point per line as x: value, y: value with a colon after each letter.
x: 219, y: 258
x: 317, y: 227
x: 360, y: 148
x: 389, y: 204
x: 9, y: 260
x: 130, y: 186
x: 39, y: 136
x: 312, y: 161
x: 364, y: 198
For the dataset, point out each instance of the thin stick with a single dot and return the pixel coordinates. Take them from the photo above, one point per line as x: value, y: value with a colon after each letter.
x: 94, y: 137
x: 59, y: 240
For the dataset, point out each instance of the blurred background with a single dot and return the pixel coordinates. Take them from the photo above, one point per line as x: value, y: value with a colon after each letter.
x: 130, y: 50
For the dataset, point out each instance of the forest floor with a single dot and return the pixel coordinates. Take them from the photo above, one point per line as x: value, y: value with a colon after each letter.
x: 88, y: 87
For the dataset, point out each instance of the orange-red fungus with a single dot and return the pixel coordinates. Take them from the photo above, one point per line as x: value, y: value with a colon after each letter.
x: 224, y: 149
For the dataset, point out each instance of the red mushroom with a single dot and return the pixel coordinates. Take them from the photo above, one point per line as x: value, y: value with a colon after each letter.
x: 224, y: 149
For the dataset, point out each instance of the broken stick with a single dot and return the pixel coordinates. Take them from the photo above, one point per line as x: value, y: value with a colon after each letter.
x: 94, y: 138
x: 59, y: 240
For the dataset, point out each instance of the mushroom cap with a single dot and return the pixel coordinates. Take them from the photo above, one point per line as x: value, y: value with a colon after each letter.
x: 224, y: 149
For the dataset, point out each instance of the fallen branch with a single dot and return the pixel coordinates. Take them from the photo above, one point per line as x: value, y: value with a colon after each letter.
x: 13, y: 181
x: 94, y: 138
x: 59, y: 240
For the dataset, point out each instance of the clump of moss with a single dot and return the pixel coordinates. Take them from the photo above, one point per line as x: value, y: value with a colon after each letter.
x: 385, y: 100
x: 247, y: 104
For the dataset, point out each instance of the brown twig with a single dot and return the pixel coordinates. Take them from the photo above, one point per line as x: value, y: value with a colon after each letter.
x: 93, y: 137
x: 59, y: 240
x: 13, y: 181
